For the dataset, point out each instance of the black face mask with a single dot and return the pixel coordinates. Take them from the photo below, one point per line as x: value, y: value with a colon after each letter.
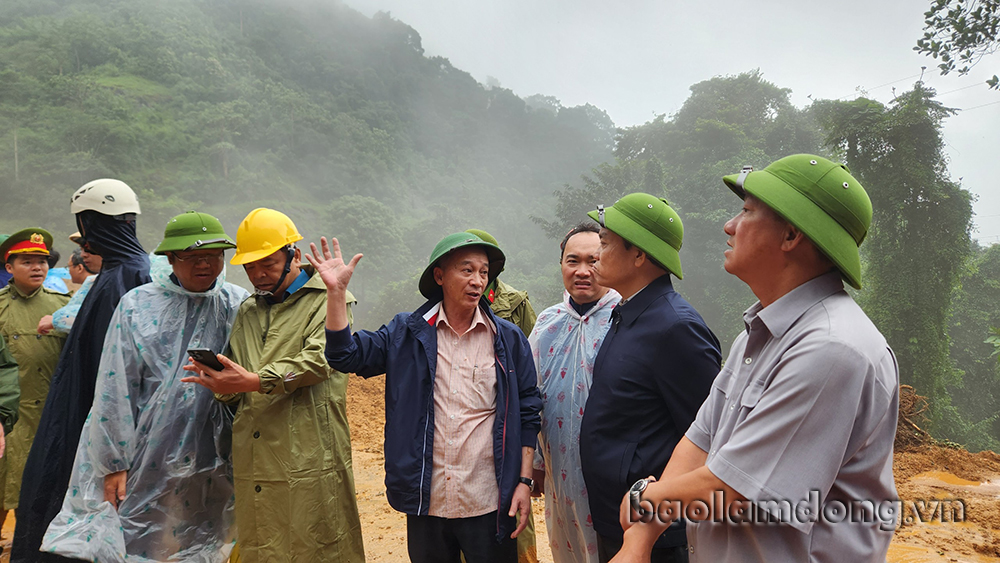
x: 111, y: 238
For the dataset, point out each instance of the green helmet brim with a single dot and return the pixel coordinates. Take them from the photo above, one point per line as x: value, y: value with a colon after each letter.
x: 192, y: 242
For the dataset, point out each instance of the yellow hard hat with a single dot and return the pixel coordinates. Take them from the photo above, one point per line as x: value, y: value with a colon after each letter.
x: 262, y: 233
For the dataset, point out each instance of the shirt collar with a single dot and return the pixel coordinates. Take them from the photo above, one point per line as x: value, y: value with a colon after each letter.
x: 779, y: 316
x: 477, y: 319
x: 21, y: 294
x: 631, y: 308
x: 631, y: 297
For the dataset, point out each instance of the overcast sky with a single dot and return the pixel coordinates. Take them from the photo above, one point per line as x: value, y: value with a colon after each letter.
x: 637, y: 58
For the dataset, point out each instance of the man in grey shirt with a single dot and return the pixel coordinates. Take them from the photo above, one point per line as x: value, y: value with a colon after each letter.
x: 790, y: 457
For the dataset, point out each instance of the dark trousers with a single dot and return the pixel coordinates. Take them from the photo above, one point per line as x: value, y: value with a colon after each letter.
x: 608, y: 547
x: 431, y: 539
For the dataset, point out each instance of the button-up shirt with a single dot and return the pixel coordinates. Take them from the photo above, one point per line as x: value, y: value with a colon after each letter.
x: 653, y: 370
x: 463, y: 478
x: 801, y: 421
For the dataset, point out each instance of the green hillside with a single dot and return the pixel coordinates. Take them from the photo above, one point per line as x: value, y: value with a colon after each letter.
x: 339, y: 119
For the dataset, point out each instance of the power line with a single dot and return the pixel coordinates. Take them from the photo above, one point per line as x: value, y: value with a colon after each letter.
x: 964, y: 88
x: 980, y: 106
x: 879, y: 86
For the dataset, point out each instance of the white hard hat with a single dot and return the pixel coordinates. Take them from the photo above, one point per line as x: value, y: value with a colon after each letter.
x: 105, y: 196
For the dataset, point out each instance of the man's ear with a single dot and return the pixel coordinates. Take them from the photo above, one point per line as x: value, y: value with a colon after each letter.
x: 10, y: 267
x: 793, y: 237
x: 640, y: 256
x: 170, y: 258
x: 438, y: 275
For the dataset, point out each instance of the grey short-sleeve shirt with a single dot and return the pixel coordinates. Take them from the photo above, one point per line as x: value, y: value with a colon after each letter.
x: 801, y: 422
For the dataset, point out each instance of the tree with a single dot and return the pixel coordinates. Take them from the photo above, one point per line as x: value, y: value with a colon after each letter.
x: 974, y: 338
x: 605, y: 185
x: 960, y: 33
x: 919, y: 238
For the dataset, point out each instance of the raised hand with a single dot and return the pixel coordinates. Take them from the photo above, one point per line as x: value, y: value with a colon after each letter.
x: 335, y: 273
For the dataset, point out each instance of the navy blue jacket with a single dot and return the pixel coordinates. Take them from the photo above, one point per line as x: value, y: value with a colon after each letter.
x: 654, y: 370
x: 405, y: 350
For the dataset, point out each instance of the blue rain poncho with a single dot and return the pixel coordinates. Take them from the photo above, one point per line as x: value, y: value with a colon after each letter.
x: 564, y: 346
x: 63, y: 319
x: 173, y: 438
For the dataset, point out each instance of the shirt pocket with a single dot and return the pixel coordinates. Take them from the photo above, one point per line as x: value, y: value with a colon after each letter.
x: 482, y: 393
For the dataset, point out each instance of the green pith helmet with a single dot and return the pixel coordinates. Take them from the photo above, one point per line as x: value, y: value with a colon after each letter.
x: 647, y: 222
x: 193, y: 231
x: 820, y: 198
x: 429, y: 288
x: 35, y: 241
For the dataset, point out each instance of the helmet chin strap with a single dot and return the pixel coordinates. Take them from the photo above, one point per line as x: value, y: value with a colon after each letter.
x: 290, y: 254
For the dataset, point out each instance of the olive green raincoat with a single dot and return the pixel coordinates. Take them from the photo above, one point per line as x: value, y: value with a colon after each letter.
x: 513, y: 305
x: 294, y: 482
x: 36, y: 356
x: 10, y: 391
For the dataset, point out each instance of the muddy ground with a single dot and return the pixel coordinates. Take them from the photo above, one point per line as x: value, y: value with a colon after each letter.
x: 923, y: 472
x: 969, y: 533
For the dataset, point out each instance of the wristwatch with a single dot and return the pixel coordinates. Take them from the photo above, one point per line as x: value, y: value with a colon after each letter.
x: 635, y: 495
x: 527, y: 481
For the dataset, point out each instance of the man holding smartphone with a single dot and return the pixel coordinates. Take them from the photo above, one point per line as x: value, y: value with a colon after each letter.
x: 292, y: 471
x: 155, y: 452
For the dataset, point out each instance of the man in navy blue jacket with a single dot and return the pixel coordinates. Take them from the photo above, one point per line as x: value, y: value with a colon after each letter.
x: 654, y: 369
x: 461, y: 403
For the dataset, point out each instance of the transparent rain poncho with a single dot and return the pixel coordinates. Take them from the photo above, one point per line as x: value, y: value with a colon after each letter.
x: 63, y: 319
x: 173, y: 438
x: 564, y: 346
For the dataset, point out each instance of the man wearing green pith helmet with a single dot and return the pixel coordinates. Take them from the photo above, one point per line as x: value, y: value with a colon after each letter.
x: 792, y: 451
x: 152, y: 472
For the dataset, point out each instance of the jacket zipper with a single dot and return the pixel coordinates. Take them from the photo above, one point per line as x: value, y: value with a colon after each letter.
x: 503, y: 438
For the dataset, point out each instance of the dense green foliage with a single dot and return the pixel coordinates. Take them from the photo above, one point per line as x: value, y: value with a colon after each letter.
x: 961, y: 32
x: 975, y: 392
x: 225, y: 106
x: 919, y: 238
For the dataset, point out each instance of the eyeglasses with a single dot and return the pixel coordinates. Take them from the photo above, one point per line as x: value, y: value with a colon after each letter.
x: 199, y: 258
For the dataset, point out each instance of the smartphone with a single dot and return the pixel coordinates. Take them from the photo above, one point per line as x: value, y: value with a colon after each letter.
x: 207, y: 357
